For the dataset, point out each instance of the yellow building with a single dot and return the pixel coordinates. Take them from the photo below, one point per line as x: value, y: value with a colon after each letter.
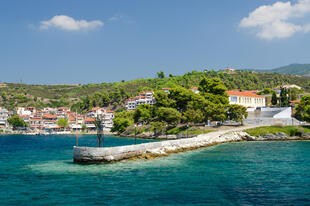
x: 246, y: 99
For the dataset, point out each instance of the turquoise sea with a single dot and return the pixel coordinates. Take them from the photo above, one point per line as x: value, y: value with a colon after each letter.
x: 38, y: 170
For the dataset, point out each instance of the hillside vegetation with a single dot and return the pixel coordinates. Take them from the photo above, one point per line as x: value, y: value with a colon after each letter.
x: 295, y: 69
x: 113, y: 95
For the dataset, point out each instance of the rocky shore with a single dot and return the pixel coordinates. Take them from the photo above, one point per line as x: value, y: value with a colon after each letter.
x: 151, y: 150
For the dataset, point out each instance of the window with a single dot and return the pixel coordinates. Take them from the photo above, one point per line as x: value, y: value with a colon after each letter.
x: 233, y: 99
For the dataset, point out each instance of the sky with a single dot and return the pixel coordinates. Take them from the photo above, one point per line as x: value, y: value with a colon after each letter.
x: 80, y: 41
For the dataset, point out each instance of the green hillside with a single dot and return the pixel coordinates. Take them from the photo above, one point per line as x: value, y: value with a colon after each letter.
x: 84, y: 97
x: 296, y: 69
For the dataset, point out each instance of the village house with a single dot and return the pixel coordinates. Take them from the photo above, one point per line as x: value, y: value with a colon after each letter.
x: 246, y: 99
x: 108, y: 120
x: 26, y: 110
x: 4, y: 115
x: 195, y: 90
x: 291, y: 86
x: 90, y: 124
x: 35, y: 123
x: 145, y: 97
x: 166, y: 90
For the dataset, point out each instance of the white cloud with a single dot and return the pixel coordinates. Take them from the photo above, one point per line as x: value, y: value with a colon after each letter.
x: 115, y: 18
x: 68, y: 23
x: 273, y: 21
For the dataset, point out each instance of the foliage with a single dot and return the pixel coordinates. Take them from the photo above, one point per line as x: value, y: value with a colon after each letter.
x: 237, y: 113
x: 283, y: 97
x: 168, y: 115
x: 303, y: 109
x: 289, y: 130
x: 122, y: 120
x: 265, y: 91
x: 16, y: 122
x: 62, y: 122
x: 274, y: 99
x: 144, y: 113
x: 83, y: 98
x: 161, y: 74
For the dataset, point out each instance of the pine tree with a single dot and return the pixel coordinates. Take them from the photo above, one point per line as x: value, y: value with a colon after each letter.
x: 274, y: 99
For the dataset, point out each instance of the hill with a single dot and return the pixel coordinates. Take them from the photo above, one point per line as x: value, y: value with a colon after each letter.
x: 295, y: 69
x: 113, y: 95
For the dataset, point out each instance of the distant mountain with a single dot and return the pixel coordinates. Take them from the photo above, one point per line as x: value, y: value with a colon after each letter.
x: 296, y: 69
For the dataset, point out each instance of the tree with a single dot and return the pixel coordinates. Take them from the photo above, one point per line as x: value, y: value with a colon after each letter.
x: 16, y: 122
x: 122, y: 120
x: 162, y: 99
x: 303, y: 109
x: 4, y: 96
x: 283, y: 97
x: 213, y: 90
x: 62, y: 122
x: 193, y: 116
x: 144, y: 113
x: 168, y: 115
x: 161, y: 75
x: 236, y: 113
x: 274, y: 99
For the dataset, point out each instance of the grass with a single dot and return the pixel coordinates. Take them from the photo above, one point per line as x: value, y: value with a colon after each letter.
x: 191, y: 130
x: 289, y: 130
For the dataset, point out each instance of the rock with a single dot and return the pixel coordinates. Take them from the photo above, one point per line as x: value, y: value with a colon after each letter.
x: 305, y: 136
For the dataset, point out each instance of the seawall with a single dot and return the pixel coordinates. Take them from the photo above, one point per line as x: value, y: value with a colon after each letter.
x: 90, y: 155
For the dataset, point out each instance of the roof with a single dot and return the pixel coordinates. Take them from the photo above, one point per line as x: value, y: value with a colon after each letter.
x: 294, y: 101
x: 195, y: 88
x: 110, y: 111
x: 89, y: 120
x: 246, y: 94
x: 49, y: 116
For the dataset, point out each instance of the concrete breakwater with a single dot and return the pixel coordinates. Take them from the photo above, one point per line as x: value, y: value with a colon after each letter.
x: 110, y: 154
x: 90, y: 155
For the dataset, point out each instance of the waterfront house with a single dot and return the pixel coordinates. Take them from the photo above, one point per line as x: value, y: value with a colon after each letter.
x: 4, y: 115
x: 90, y: 124
x: 246, y: 99
x: 35, y: 123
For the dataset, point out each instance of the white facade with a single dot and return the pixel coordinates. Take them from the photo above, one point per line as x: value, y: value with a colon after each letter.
x: 246, y: 99
x: 145, y: 97
x: 4, y: 115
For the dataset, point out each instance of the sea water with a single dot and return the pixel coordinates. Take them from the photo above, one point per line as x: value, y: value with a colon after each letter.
x: 39, y: 170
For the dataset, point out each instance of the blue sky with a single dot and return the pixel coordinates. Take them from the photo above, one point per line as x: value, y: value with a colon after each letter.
x: 55, y: 42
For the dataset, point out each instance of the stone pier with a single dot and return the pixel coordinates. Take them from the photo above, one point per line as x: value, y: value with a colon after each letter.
x: 89, y: 155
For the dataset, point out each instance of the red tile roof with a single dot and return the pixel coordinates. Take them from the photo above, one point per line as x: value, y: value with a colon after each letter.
x: 89, y: 120
x: 49, y: 116
x: 294, y: 101
x: 246, y: 94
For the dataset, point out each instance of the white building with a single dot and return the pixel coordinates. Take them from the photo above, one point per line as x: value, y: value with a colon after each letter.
x: 246, y: 99
x: 291, y: 86
x: 195, y: 90
x: 145, y: 97
x: 4, y: 115
x: 108, y: 120
x: 26, y: 111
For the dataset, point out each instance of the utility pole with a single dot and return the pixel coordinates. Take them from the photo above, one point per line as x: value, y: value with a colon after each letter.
x: 135, y: 133
x: 77, y: 138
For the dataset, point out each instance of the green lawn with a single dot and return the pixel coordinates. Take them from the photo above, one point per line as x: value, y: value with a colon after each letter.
x: 289, y: 130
